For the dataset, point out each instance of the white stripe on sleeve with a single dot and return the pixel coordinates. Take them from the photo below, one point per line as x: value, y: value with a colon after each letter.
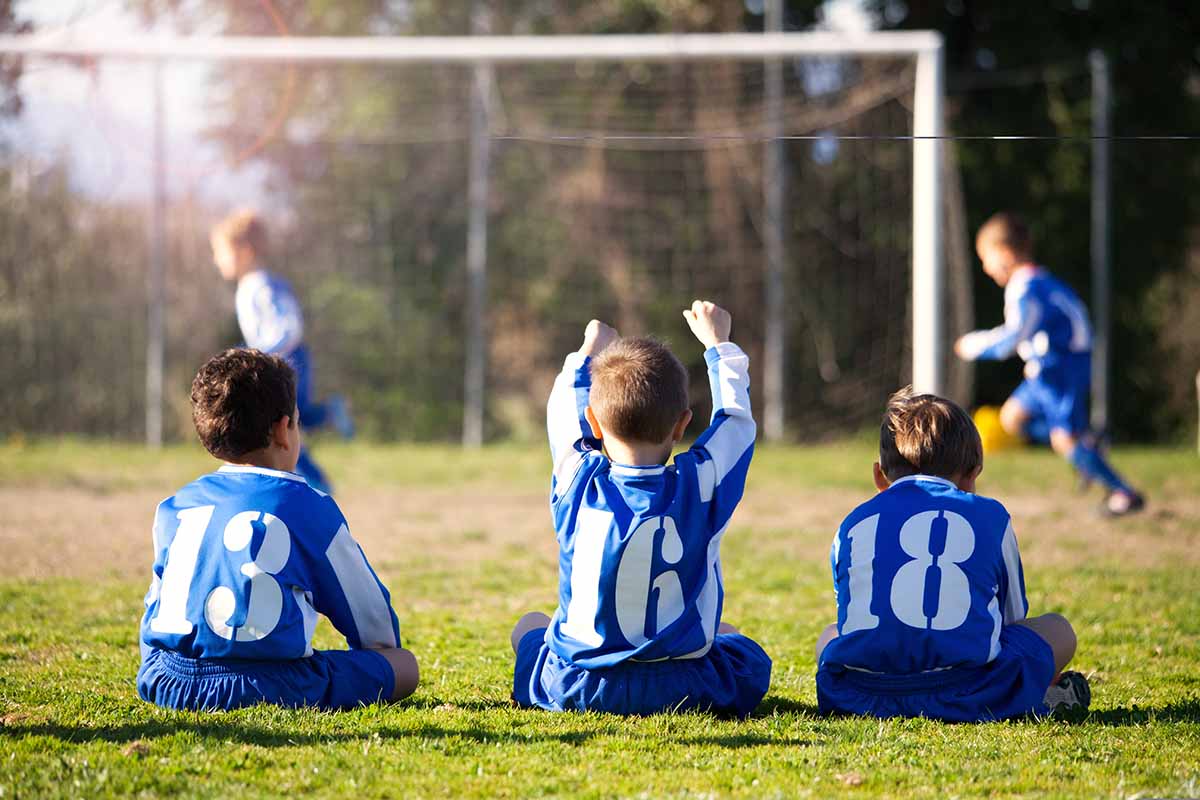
x: 1015, y: 607
x: 371, y: 613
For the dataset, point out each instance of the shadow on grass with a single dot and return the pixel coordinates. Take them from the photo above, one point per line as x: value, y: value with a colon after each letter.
x: 1183, y: 711
x: 219, y: 729
x: 783, y: 705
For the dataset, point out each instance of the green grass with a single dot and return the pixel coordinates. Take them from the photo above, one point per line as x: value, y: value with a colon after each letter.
x: 72, y: 723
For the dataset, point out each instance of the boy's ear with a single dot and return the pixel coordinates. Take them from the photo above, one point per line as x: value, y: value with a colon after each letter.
x: 681, y: 425
x: 592, y: 422
x: 881, y: 480
x: 967, y: 483
x: 279, y: 432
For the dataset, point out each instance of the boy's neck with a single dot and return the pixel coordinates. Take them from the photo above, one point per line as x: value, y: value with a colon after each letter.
x: 636, y: 454
x: 266, y: 458
x: 248, y: 271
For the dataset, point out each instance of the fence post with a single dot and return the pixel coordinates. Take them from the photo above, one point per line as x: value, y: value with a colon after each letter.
x: 156, y: 278
x: 774, y: 239
x: 477, y: 234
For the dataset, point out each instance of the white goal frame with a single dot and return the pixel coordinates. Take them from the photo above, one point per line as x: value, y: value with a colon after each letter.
x: 928, y: 270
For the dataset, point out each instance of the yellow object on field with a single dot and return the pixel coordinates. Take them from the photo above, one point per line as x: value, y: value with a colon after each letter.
x: 991, y: 432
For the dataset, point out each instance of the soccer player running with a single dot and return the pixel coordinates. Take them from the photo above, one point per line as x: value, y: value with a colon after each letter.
x: 270, y: 319
x: 1047, y: 325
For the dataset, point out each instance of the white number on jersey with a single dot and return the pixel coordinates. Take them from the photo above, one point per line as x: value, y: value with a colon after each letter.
x: 907, y: 594
x: 635, y: 584
x: 265, y: 601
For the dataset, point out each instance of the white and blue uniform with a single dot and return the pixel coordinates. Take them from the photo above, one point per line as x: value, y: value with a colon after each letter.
x: 640, y: 589
x: 270, y: 319
x: 245, y: 559
x: 1046, y: 324
x: 929, y: 582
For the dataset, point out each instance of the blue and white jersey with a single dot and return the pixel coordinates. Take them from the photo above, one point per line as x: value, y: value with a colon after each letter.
x: 1045, y: 323
x: 925, y: 577
x: 245, y: 558
x: 268, y: 313
x: 639, y: 560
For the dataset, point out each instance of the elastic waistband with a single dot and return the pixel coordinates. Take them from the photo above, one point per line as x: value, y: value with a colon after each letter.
x: 209, y: 667
x: 915, y: 683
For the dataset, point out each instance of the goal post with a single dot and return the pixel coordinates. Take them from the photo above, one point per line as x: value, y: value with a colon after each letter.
x: 927, y: 304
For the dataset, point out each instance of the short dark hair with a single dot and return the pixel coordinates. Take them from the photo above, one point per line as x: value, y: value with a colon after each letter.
x: 237, y: 396
x: 639, y: 389
x: 1011, y: 231
x: 928, y: 435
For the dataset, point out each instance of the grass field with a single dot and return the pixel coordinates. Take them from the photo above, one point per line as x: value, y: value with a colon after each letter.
x: 463, y: 541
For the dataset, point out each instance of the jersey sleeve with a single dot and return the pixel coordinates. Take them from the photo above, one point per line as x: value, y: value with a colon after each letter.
x: 348, y: 591
x: 722, y: 453
x: 571, y: 437
x: 1014, y: 605
x: 1022, y: 315
x: 270, y: 318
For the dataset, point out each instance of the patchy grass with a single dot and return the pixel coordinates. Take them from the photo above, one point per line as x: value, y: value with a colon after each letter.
x: 463, y: 541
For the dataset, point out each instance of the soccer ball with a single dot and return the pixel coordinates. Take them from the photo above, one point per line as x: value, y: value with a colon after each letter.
x: 991, y: 432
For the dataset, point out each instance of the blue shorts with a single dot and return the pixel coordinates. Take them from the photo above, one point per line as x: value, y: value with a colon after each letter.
x: 730, y: 679
x: 1011, y: 685
x: 328, y: 679
x: 1058, y: 397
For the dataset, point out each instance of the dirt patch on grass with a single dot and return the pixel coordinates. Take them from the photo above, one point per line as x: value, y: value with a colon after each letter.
x: 76, y: 532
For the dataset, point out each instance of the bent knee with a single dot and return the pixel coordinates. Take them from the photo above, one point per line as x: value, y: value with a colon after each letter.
x: 534, y: 620
x: 406, y: 673
x: 1013, y: 417
x: 828, y: 635
x: 1063, y: 443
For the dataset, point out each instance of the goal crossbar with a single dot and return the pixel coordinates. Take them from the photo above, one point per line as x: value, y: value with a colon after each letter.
x: 471, y: 49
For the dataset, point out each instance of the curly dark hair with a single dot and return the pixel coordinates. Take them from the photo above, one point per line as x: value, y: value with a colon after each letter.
x: 237, y: 396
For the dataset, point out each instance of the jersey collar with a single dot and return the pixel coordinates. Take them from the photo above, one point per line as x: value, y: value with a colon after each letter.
x: 272, y: 473
x: 930, y: 478
x: 627, y: 471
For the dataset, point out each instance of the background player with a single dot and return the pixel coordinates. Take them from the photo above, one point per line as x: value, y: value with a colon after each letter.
x: 270, y: 319
x: 931, y: 592
x: 245, y: 558
x: 638, y: 627
x: 1047, y: 325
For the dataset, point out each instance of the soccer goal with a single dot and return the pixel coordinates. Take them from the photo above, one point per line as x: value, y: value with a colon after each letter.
x: 454, y: 210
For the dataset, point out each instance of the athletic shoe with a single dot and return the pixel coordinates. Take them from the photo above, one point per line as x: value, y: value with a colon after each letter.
x: 1070, y: 693
x: 339, y: 416
x: 1120, y: 504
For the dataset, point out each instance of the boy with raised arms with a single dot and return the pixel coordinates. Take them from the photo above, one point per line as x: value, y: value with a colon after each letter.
x: 638, y: 627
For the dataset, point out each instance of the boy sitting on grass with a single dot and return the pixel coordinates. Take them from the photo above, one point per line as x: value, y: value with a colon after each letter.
x: 930, y: 590
x: 638, y: 628
x: 246, y: 557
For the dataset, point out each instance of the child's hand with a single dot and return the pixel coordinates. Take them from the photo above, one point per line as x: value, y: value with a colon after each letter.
x: 709, y: 322
x: 596, y: 337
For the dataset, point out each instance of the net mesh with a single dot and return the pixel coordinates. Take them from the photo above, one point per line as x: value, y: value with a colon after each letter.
x: 618, y: 191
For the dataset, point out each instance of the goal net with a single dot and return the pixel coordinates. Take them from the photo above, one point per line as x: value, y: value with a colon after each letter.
x: 610, y: 187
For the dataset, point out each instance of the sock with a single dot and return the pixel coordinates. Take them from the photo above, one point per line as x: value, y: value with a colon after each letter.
x: 1037, y: 430
x: 1089, y: 461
